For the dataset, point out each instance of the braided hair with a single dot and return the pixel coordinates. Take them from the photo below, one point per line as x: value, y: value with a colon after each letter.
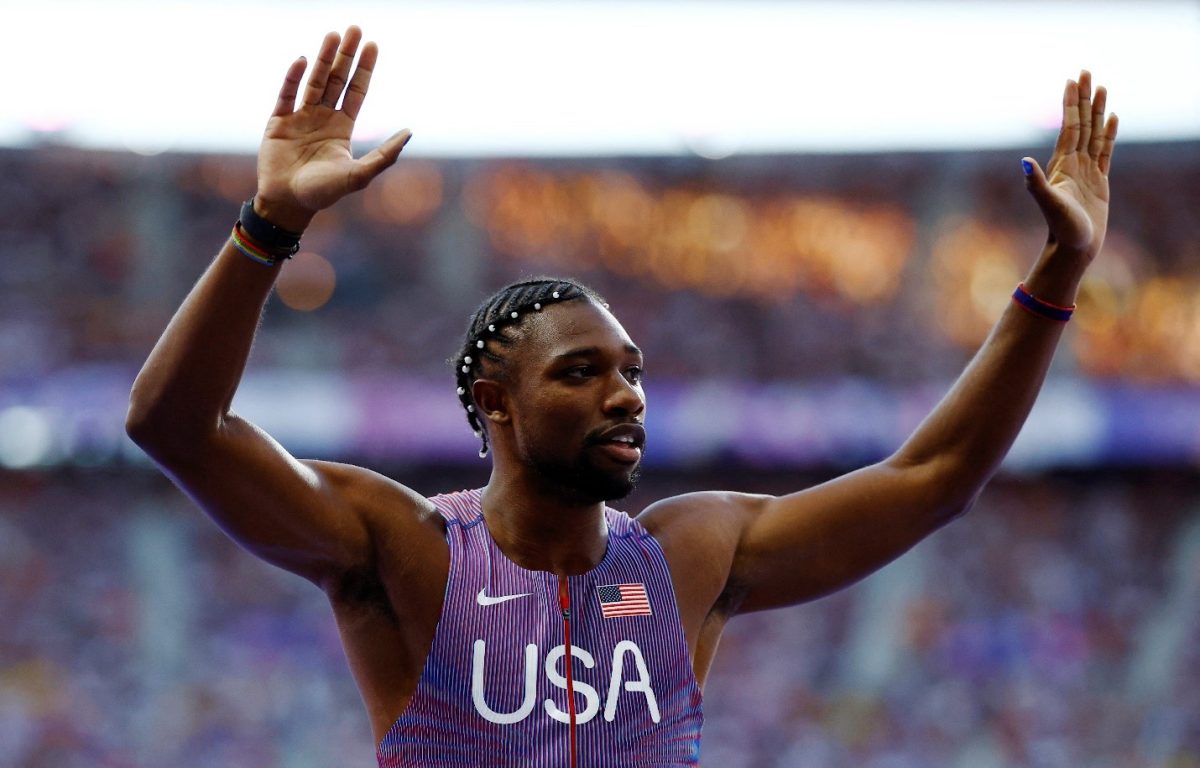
x: 494, y: 329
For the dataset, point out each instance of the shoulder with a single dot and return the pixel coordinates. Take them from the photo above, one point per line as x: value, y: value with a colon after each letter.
x: 463, y: 507
x: 699, y: 535
x: 705, y: 515
x: 385, y: 506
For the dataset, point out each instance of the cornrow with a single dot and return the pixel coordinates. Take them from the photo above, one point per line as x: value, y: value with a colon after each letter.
x: 490, y: 333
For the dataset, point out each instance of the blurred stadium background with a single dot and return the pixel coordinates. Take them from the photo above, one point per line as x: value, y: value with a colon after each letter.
x: 801, y: 309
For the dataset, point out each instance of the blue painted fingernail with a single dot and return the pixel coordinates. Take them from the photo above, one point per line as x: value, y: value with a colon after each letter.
x: 1027, y: 167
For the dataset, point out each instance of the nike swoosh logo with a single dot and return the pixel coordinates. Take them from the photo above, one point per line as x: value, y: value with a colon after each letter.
x: 483, y: 599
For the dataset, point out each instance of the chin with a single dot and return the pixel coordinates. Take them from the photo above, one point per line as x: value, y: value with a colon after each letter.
x: 583, y: 478
x: 591, y: 485
x: 621, y: 488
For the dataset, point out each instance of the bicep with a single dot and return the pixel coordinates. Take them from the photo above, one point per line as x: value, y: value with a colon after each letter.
x: 807, y: 544
x: 305, y: 517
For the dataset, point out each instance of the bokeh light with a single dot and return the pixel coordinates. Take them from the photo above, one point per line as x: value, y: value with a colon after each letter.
x: 306, y: 281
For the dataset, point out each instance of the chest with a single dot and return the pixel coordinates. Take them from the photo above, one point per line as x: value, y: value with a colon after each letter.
x: 523, y: 638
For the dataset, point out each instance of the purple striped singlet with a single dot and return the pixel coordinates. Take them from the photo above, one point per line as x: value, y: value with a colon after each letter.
x: 494, y: 688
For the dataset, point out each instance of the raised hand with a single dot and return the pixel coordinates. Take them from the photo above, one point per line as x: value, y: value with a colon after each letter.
x: 305, y: 163
x: 1073, y: 195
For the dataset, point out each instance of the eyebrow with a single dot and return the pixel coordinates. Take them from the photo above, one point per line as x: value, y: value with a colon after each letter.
x: 591, y: 351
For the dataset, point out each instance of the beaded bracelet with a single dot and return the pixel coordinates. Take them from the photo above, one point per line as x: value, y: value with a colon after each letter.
x: 251, y: 249
x: 270, y: 238
x: 1045, y: 309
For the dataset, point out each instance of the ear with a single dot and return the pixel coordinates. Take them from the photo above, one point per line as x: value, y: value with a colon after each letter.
x: 491, y: 399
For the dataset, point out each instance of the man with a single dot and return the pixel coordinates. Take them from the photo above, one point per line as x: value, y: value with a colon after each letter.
x: 526, y: 623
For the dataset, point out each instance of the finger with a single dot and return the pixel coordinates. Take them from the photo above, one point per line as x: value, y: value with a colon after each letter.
x: 1035, y: 179
x: 357, y: 90
x: 315, y: 90
x: 1085, y: 110
x: 1068, y: 135
x: 379, y: 159
x: 286, y: 103
x: 1098, y: 104
x: 341, y: 67
x: 1110, y: 140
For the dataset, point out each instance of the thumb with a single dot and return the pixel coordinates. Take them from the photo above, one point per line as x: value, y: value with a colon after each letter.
x: 1035, y: 181
x: 389, y: 150
x: 379, y: 159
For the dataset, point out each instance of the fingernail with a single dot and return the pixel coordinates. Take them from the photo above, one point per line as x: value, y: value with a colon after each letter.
x: 1027, y: 167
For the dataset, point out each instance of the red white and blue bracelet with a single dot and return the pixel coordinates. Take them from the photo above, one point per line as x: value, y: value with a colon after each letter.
x: 1045, y: 309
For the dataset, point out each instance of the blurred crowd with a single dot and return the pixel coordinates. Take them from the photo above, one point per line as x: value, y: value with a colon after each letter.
x: 891, y: 267
x: 1054, y: 626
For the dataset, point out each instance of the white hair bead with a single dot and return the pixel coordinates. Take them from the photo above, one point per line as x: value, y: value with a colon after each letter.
x: 515, y: 315
x: 467, y: 359
x: 554, y: 295
x: 491, y: 329
x: 470, y: 409
x: 466, y: 369
x: 461, y: 391
x: 538, y: 307
x: 479, y: 344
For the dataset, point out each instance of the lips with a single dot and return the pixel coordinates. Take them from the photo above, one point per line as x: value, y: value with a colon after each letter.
x: 623, y: 443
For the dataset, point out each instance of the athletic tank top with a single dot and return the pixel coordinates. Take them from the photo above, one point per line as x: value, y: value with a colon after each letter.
x: 494, y: 688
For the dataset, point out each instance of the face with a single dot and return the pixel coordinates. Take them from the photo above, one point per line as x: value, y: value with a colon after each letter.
x: 577, y: 404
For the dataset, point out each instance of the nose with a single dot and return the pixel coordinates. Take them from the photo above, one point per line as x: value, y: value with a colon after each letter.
x: 624, y: 398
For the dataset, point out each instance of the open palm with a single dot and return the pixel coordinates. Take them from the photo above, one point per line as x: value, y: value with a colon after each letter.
x: 305, y: 161
x: 1073, y: 195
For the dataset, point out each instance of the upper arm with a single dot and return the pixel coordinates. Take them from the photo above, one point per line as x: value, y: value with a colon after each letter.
x: 807, y: 544
x: 316, y: 519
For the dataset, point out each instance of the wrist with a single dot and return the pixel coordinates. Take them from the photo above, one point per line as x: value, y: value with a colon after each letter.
x: 261, y: 240
x: 1040, y: 307
x: 1056, y: 275
x: 287, y: 217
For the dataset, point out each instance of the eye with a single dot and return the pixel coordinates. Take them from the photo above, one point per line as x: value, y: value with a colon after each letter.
x: 580, y: 371
x: 634, y: 373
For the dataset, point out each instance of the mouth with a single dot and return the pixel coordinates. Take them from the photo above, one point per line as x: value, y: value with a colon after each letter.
x: 623, y: 443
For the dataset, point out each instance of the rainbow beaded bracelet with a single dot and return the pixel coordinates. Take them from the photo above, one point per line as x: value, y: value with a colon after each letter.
x: 251, y: 249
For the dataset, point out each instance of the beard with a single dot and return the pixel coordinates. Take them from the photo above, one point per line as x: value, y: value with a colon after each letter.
x: 582, y: 479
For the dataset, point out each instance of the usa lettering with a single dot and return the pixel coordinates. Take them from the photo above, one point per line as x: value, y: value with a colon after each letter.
x: 629, y: 675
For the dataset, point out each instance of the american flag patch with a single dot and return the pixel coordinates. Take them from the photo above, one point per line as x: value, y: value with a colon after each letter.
x: 623, y: 600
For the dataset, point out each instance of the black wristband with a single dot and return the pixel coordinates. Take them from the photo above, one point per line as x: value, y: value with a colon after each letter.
x: 276, y: 240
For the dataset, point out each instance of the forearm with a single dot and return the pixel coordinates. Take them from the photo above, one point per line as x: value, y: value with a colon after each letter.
x: 304, y: 165
x: 964, y: 439
x: 186, y: 385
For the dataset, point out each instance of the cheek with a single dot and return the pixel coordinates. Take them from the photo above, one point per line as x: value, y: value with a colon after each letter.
x: 551, y: 418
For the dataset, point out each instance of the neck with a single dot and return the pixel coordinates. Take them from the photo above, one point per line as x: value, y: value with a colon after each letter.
x: 540, y: 530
